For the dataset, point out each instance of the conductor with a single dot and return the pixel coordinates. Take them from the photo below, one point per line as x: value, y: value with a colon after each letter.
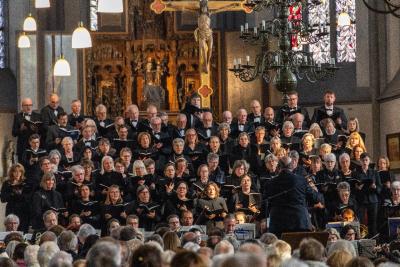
x: 287, y: 197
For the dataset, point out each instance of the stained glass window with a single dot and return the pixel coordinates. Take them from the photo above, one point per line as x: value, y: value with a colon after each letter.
x: 93, y: 15
x: 3, y: 37
x: 346, y: 36
x: 340, y: 43
x: 318, y: 17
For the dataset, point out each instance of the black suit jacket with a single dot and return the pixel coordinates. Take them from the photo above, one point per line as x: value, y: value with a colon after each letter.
x: 53, y: 132
x: 320, y: 114
x: 176, y: 133
x: 248, y: 128
x: 103, y: 131
x: 255, y: 120
x: 73, y: 121
x: 285, y: 112
x: 202, y: 132
x: 49, y: 117
x: 23, y: 135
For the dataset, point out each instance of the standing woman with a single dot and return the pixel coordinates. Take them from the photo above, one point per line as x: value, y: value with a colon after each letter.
x: 147, y: 210
x: 107, y: 177
x: 179, y: 201
x: 46, y: 198
x: 383, y: 167
x: 369, y: 190
x: 354, y: 126
x: 194, y: 149
x: 246, y: 200
x: 68, y: 157
x: 113, y: 207
x: 15, y: 193
x: 211, y: 208
x: 225, y: 140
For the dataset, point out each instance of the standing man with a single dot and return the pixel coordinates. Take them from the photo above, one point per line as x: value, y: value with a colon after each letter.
x: 50, y: 112
x: 255, y: 116
x: 22, y: 128
x: 287, y: 197
x: 132, y: 119
x: 75, y: 119
x: 241, y: 125
x: 291, y: 108
x: 329, y: 110
x: 193, y: 111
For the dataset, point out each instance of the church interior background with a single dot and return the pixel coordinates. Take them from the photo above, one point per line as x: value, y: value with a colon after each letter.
x: 140, y: 56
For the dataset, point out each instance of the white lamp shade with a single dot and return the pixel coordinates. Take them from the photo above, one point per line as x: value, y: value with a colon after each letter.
x: 81, y: 38
x: 30, y: 24
x: 23, y: 41
x: 344, y: 20
x: 42, y: 3
x: 62, y: 68
x: 110, y: 6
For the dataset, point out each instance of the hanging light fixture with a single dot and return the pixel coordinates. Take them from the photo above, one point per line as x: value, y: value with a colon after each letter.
x: 42, y: 3
x: 62, y: 68
x: 110, y: 6
x: 81, y: 37
x: 344, y: 19
x: 30, y: 24
x: 23, y: 41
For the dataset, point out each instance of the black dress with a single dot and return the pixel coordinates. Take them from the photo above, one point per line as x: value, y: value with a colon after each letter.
x: 17, y: 198
x: 142, y: 209
x: 42, y: 201
x: 79, y: 206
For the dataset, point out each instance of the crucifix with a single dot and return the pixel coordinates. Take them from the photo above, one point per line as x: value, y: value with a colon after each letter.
x: 203, y: 34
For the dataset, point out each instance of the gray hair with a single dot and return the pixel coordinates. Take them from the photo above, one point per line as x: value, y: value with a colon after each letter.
x: 61, y: 259
x: 105, y: 254
x: 287, y: 124
x: 138, y: 164
x: 330, y: 157
x: 178, y: 141
x: 76, y: 168
x: 344, y: 155
x: 86, y: 230
x: 224, y: 125
x: 212, y: 156
x: 395, y: 185
x: 294, y: 154
x: 46, y: 251
x: 270, y: 157
x: 224, y: 247
x: 11, y: 247
x: 342, y: 245
x: 102, y: 163
x: 30, y: 256
x: 190, y: 246
x: 54, y: 152
x: 285, y: 162
x: 100, y: 107
x: 67, y: 241
x: 67, y: 139
x: 343, y: 186
x: 292, y: 262
x: 11, y: 217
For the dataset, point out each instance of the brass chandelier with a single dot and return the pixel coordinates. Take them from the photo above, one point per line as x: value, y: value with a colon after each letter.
x: 288, y: 64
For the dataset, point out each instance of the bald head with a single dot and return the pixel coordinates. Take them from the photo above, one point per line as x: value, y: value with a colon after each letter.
x: 54, y: 101
x: 269, y: 114
x: 255, y: 107
x: 27, y: 105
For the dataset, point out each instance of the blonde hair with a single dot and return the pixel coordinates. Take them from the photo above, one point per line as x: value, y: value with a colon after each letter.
x: 356, y: 135
x: 14, y: 167
x: 108, y: 201
x: 283, y: 249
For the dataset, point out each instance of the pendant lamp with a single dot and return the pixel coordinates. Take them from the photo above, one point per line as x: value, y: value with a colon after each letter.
x: 30, y: 24
x: 62, y: 68
x: 81, y: 37
x: 23, y: 41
